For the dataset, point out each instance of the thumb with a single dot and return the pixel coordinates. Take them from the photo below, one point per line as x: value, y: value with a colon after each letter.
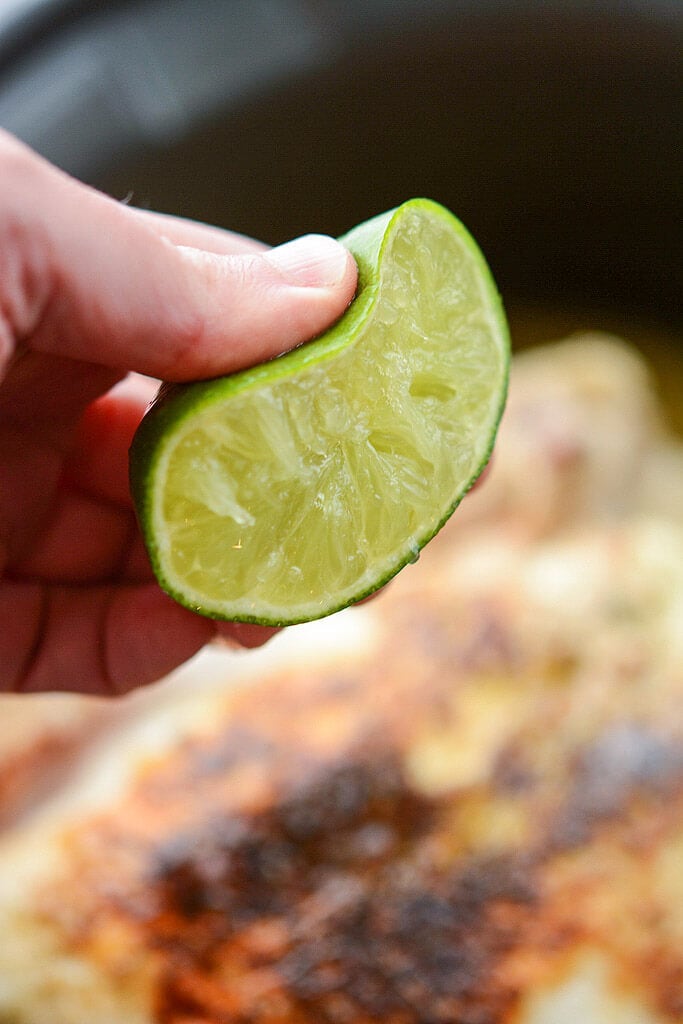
x: 252, y: 307
x: 101, y: 284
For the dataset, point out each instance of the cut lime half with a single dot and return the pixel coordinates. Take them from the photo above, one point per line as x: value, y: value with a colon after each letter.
x: 285, y: 492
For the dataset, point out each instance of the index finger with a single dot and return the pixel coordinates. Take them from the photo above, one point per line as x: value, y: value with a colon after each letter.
x: 182, y: 231
x: 98, y: 460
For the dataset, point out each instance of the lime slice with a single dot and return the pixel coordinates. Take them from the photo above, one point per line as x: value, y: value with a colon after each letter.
x: 287, y: 491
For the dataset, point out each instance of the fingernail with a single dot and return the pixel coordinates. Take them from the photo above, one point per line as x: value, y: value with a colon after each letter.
x: 314, y: 261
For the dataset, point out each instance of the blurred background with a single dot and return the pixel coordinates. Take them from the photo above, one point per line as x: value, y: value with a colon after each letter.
x: 523, y: 771
x: 551, y: 128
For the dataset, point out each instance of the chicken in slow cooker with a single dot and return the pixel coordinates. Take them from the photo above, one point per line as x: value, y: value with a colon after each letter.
x: 459, y: 804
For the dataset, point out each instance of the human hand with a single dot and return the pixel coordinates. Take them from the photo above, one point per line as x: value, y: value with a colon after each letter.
x: 91, y: 290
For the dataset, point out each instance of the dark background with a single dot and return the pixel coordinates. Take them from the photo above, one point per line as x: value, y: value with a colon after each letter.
x: 553, y: 130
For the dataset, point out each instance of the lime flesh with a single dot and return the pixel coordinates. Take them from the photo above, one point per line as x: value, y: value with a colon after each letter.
x: 283, y: 493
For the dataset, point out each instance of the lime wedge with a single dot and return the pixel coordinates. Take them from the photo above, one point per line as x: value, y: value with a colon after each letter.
x: 287, y: 491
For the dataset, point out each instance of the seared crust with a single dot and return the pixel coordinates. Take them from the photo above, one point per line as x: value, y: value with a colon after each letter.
x: 469, y: 818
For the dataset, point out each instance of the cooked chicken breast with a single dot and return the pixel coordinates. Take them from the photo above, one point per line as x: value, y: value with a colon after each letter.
x: 459, y: 804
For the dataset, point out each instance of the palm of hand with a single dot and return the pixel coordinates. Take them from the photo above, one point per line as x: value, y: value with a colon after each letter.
x: 79, y: 608
x: 89, y: 290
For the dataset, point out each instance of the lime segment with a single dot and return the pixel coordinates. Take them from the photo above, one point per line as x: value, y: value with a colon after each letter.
x: 283, y: 493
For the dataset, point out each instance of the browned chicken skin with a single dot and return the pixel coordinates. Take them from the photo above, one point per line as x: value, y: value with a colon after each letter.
x: 460, y: 804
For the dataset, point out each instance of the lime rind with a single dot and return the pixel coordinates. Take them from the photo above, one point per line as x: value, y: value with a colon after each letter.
x: 184, y: 405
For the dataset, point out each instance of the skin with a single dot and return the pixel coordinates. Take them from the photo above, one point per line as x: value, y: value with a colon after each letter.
x: 94, y: 294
